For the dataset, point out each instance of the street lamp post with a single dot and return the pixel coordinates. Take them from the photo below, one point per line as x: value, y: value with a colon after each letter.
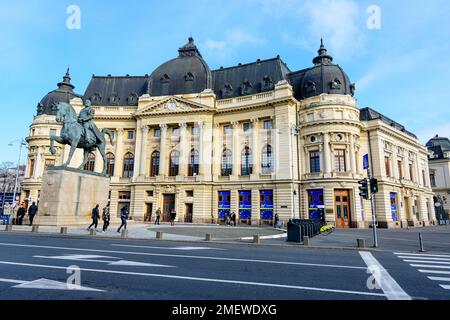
x: 22, y: 143
x: 294, y: 133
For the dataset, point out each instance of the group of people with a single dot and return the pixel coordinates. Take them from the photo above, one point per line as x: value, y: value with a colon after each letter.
x: 172, y: 216
x: 106, y: 217
x: 230, y: 219
x: 21, y: 212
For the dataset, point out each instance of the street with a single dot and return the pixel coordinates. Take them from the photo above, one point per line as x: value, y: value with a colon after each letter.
x: 107, y: 269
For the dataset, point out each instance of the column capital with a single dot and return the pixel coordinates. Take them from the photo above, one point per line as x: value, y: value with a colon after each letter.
x: 201, y: 124
x: 120, y: 130
x: 145, y: 128
x: 163, y: 126
x: 182, y: 125
x: 254, y: 120
x: 235, y: 124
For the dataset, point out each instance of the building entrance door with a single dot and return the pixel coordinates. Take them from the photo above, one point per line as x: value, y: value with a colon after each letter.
x: 148, y: 212
x: 342, y: 208
x: 168, y: 205
x: 188, y: 213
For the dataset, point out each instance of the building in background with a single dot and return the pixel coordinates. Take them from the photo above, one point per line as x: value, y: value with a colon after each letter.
x: 439, y: 163
x: 253, y: 139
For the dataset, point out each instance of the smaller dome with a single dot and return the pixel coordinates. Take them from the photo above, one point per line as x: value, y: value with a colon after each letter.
x: 64, y: 93
x: 437, y: 141
x: 325, y: 77
x: 188, y: 73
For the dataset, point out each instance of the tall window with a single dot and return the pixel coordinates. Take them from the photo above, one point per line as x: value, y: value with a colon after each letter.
x: 424, y: 178
x: 339, y: 161
x: 433, y: 179
x: 227, y: 130
x: 90, y: 164
x: 130, y: 135
x: 268, y: 124
x: 400, y: 169
x: 267, y: 159
x: 110, y: 162
x: 247, y: 127
x: 194, y: 160
x: 411, y: 173
x: 314, y: 158
x: 174, y: 163
x: 157, y: 133
x: 387, y: 165
x: 227, y: 163
x: 247, y: 162
x: 128, y: 165
x: 154, y: 168
x: 32, y: 167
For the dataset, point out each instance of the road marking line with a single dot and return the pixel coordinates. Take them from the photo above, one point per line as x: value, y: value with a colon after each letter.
x: 111, y: 263
x: 434, y: 271
x: 389, y: 286
x: 46, y: 284
x: 439, y: 279
x: 427, y: 262
x: 429, y: 266
x: 236, y: 282
x: 186, y: 256
x: 164, y: 248
x: 446, y: 287
x: 421, y: 255
x: 12, y: 281
x: 424, y: 258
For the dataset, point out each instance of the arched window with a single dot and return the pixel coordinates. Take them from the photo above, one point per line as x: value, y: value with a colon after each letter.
x: 154, y: 168
x: 227, y: 163
x: 90, y: 164
x: 247, y: 162
x: 128, y: 165
x: 266, y: 163
x: 110, y: 162
x: 174, y: 163
x: 194, y: 160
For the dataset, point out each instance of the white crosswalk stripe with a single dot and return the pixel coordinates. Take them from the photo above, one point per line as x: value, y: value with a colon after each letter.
x: 429, y: 264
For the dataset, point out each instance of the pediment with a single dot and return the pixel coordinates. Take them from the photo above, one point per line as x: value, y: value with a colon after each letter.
x: 171, y: 105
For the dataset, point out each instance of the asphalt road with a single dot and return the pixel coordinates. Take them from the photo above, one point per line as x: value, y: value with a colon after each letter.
x: 36, y: 267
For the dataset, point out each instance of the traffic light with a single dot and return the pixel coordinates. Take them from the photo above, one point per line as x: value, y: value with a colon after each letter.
x: 364, y: 189
x: 374, y: 185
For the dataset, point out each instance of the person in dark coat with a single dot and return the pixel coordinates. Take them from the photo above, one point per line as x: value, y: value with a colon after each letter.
x: 21, y: 214
x: 95, y: 217
x: 124, y: 217
x: 173, y: 215
x: 233, y: 219
x: 158, y: 216
x: 106, y: 217
x: 32, y: 211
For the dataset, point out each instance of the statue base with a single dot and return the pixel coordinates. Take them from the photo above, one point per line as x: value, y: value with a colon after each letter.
x: 69, y: 195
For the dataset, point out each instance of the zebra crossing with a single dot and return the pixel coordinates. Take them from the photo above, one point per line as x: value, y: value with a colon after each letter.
x: 435, y: 266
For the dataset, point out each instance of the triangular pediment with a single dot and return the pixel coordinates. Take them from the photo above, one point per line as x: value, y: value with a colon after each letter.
x: 171, y: 105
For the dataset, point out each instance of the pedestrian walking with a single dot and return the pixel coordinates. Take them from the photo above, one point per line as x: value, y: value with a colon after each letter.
x: 276, y: 223
x: 32, y: 211
x: 21, y: 212
x: 106, y: 217
x: 227, y: 219
x: 158, y: 216
x: 173, y: 215
x: 124, y: 217
x: 95, y: 217
x: 7, y: 212
x: 233, y: 219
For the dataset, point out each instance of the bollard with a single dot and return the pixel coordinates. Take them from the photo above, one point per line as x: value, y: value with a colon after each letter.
x: 421, y: 243
x: 159, y: 235
x: 35, y: 229
x: 124, y: 234
x: 306, y: 241
x: 256, y: 239
x: 64, y: 230
x: 208, y: 237
x: 361, y: 243
x: 93, y: 232
x: 8, y: 228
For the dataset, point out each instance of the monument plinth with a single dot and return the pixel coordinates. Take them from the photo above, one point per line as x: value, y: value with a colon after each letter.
x: 69, y: 195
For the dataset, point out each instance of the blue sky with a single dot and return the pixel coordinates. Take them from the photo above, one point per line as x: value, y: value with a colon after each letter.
x: 401, y: 70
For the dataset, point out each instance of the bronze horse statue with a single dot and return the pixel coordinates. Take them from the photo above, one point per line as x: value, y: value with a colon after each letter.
x: 73, y: 133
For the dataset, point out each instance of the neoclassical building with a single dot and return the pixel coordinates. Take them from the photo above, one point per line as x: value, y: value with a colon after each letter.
x: 253, y: 139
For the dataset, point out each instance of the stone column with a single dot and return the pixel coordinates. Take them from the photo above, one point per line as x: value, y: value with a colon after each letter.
x: 163, y: 165
x: 256, y: 148
x: 236, y: 151
x: 143, y: 161
x: 394, y: 163
x: 201, y: 149
x: 326, y: 154
x: 118, y: 165
x: 40, y: 163
x: 353, y: 155
x: 184, y: 150
x: 98, y: 167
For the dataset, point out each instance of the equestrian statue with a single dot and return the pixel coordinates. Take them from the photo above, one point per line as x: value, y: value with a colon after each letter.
x: 80, y: 132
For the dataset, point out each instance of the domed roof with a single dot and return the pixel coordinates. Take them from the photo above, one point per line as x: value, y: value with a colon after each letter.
x: 325, y: 77
x: 439, y: 146
x: 64, y: 93
x: 188, y: 73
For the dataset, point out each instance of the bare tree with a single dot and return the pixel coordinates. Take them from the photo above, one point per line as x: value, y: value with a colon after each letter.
x: 6, y: 175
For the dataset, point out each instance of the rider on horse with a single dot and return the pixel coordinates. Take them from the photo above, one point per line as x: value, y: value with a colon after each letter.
x: 86, y: 117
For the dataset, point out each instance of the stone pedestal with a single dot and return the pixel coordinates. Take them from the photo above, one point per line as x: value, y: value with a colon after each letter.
x: 69, y: 195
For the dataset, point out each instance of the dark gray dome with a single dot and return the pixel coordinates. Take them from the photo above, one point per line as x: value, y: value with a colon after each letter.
x: 439, y: 146
x: 64, y: 93
x: 325, y: 77
x: 188, y: 73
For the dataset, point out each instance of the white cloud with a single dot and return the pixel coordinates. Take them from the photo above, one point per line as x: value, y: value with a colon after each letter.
x: 233, y: 39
